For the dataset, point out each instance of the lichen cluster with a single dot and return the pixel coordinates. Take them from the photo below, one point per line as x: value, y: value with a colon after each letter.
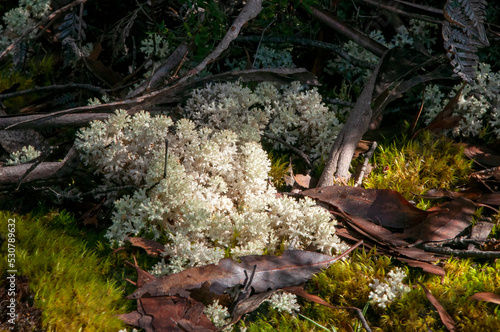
x: 478, y: 104
x: 294, y: 114
x: 215, y: 200
x: 23, y: 156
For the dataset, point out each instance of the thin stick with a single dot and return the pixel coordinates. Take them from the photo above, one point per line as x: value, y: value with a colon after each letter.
x: 368, y: 155
x: 294, y: 149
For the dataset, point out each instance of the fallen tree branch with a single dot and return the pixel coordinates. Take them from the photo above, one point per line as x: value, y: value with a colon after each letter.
x: 407, y: 14
x: 162, y: 73
x: 42, y: 171
x: 250, y: 11
x: 461, y: 253
x: 356, y: 125
x: 351, y: 33
x: 54, y: 88
x: 170, y: 94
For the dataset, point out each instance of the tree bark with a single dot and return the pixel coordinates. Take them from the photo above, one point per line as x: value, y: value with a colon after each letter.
x: 356, y: 125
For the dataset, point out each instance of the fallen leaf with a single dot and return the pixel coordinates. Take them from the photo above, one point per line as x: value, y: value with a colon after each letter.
x: 445, y: 119
x: 384, y: 207
x: 486, y: 296
x: 305, y: 181
x: 471, y: 193
x: 249, y: 305
x: 152, y: 248
x: 490, y: 199
x: 487, y: 174
x: 168, y: 312
x: 271, y: 272
x: 446, y: 224
x: 445, y: 317
x: 482, y: 155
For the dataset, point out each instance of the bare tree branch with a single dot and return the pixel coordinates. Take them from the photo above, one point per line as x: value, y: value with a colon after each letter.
x: 351, y: 33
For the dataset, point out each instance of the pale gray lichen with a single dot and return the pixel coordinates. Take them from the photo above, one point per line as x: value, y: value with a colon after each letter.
x: 215, y: 200
x: 23, y: 156
x: 293, y: 113
x: 387, y: 291
x: 478, y: 105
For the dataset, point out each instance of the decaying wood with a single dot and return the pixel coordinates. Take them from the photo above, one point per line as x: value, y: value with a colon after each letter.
x: 42, y: 171
x: 167, y: 95
x: 162, y: 73
x: 356, y: 125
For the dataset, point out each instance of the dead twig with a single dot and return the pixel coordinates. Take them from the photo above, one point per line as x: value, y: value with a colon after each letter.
x: 170, y: 94
x: 89, y: 87
x: 250, y: 11
x: 163, y: 73
x: 291, y: 147
x: 409, y: 14
x: 43, y: 171
x: 351, y: 33
x: 367, y: 156
x: 459, y: 252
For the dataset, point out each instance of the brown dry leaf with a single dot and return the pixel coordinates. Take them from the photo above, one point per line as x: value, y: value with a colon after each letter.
x: 167, y: 312
x: 152, y: 248
x: 470, y: 193
x: 482, y: 155
x: 299, y: 291
x: 271, y: 272
x: 487, y: 174
x: 446, y: 224
x: 445, y: 317
x: 486, y: 296
x: 426, y: 266
x: 388, y: 243
x: 305, y: 181
x: 249, y: 305
x: 384, y: 207
x: 143, y: 277
x: 490, y: 199
x: 445, y: 119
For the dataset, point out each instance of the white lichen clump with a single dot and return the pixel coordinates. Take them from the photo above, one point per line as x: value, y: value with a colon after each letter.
x: 478, y: 105
x: 219, y: 315
x: 284, y: 302
x: 215, y: 200
x: 23, y: 156
x: 385, y: 292
x: 404, y: 38
x: 293, y: 114
x: 19, y: 19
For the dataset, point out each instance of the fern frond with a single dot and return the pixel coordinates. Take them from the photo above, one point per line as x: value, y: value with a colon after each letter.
x: 469, y: 15
x: 463, y: 33
x: 71, y: 31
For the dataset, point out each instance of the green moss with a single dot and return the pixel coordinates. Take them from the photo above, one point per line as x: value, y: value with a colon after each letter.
x: 346, y: 283
x: 71, y: 282
x: 279, y: 169
x: 413, y: 167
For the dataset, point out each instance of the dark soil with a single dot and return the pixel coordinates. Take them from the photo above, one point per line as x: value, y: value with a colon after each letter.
x: 27, y: 317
